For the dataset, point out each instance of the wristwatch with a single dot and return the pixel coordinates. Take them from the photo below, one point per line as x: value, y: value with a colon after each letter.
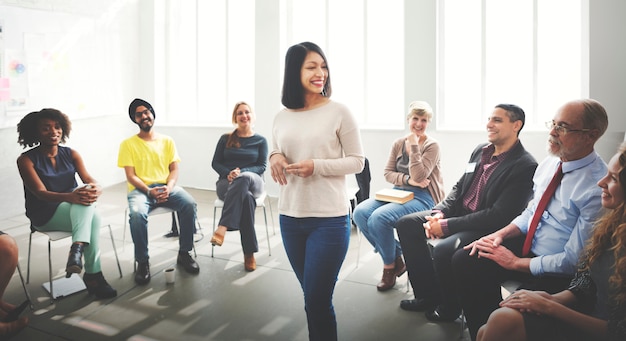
x: 406, y: 179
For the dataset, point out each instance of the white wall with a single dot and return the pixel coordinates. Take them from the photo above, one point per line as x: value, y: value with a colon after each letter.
x: 98, y: 138
x: 95, y: 135
x: 607, y: 83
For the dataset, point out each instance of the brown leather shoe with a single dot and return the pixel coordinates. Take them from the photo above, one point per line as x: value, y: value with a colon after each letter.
x: 217, y: 239
x: 388, y: 280
x: 249, y: 262
x: 400, y: 267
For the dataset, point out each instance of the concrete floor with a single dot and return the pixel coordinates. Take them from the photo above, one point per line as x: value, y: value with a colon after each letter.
x: 223, y: 302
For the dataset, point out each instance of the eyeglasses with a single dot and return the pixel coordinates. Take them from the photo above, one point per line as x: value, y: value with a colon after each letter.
x: 561, y: 130
x: 141, y: 113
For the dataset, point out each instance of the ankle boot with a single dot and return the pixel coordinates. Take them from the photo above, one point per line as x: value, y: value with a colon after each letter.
x: 388, y: 280
x: 74, y: 260
x: 249, y: 262
x: 400, y: 267
x: 98, y: 286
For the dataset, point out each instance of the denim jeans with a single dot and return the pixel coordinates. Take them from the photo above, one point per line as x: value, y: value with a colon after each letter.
x: 316, y: 248
x: 140, y: 205
x: 376, y: 219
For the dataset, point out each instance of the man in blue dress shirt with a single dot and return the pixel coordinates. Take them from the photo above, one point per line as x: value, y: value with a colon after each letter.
x: 563, y: 228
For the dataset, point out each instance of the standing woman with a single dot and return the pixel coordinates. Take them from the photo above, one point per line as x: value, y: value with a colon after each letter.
x: 413, y: 165
x: 52, y: 197
x: 316, y: 143
x: 594, y: 306
x: 240, y: 160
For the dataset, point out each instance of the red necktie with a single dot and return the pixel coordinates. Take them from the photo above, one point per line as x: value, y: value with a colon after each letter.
x: 545, y: 198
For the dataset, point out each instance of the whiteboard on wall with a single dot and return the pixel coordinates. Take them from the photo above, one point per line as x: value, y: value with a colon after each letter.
x: 64, y: 59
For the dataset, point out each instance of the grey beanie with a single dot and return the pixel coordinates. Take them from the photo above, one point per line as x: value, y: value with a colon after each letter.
x: 137, y: 102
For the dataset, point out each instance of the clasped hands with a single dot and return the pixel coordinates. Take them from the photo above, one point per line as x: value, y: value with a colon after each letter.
x: 432, y: 227
x: 490, y: 247
x: 280, y: 167
x: 527, y: 301
x: 159, y: 193
x: 86, y: 194
x: 233, y: 174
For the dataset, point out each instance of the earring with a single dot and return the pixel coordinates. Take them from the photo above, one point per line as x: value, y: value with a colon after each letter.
x: 324, y: 91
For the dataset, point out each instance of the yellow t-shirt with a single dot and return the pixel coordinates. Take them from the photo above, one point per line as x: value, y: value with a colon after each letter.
x: 151, y: 159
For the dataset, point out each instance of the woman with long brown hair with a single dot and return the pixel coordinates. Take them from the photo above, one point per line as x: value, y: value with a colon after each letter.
x: 240, y: 160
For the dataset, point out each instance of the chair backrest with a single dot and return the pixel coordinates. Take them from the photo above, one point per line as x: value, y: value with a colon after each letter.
x: 363, y: 180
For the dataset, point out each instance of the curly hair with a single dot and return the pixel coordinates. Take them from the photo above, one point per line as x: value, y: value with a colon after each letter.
x: 610, y: 234
x: 27, y: 129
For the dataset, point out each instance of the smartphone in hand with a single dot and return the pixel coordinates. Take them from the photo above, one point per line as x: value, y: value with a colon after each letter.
x: 15, y: 313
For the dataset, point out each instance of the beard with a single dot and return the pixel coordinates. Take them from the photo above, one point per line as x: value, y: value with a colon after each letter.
x: 555, y: 147
x: 145, y: 126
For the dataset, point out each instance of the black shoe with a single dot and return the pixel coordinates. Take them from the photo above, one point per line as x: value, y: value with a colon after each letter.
x: 439, y: 315
x: 186, y: 261
x: 418, y: 304
x: 98, y: 286
x: 172, y: 233
x: 142, y: 275
x: 74, y: 260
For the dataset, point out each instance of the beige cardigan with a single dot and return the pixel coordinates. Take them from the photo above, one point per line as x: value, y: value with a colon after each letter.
x: 424, y: 162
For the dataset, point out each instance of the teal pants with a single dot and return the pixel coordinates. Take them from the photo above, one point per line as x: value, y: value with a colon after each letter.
x: 84, y: 223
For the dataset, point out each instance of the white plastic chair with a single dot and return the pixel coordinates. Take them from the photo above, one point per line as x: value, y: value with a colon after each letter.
x: 164, y: 210
x: 260, y: 203
x: 54, y: 236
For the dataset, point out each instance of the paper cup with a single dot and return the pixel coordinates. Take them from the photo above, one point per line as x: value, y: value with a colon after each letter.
x: 170, y: 275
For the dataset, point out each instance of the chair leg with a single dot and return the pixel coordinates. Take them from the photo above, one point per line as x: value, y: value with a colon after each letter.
x: 124, y: 229
x: 269, y: 202
x: 200, y: 230
x: 30, y: 242
x: 462, y: 324
x: 30, y: 300
x: 358, y: 246
x: 267, y: 232
x: 117, y: 259
x: 174, y: 223
x: 50, y: 271
x: 213, y: 246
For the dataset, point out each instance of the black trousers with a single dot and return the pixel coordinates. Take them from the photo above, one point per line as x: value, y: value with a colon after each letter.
x: 478, y: 283
x: 430, y: 273
x: 239, y: 206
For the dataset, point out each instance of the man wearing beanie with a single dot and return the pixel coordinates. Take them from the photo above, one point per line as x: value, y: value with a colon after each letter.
x: 150, y: 161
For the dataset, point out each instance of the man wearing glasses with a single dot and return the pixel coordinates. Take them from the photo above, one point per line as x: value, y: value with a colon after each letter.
x: 150, y: 161
x: 541, y: 251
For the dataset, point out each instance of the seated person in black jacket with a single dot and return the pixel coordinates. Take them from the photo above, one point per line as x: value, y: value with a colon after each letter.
x: 495, y: 188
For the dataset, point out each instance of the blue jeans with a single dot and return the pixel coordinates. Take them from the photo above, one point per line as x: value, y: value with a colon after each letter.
x: 316, y: 248
x: 140, y: 205
x: 376, y: 219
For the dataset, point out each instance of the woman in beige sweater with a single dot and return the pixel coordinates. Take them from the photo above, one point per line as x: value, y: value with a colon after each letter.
x: 316, y: 143
x: 413, y: 165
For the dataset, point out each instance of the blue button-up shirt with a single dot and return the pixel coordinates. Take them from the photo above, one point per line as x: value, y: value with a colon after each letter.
x: 567, y: 223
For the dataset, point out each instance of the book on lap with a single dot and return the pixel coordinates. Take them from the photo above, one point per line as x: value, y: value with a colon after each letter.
x: 394, y: 195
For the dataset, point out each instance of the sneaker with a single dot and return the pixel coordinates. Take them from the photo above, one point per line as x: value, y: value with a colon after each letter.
x: 98, y: 286
x: 186, y: 261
